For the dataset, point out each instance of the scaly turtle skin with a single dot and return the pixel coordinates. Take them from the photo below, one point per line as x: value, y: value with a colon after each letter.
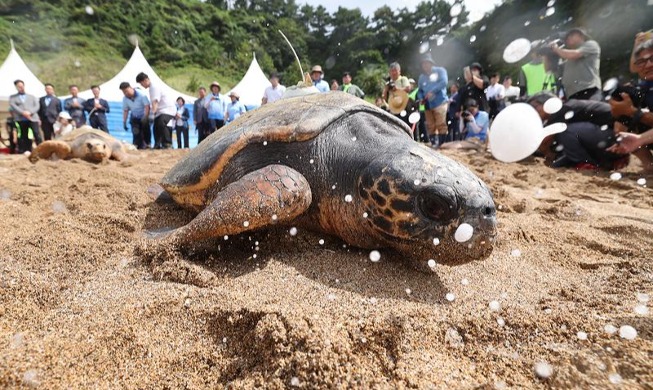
x: 336, y: 164
x: 86, y: 143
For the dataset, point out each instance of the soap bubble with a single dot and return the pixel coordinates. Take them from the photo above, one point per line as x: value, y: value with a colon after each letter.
x: 552, y: 105
x: 642, y: 297
x: 89, y: 10
x: 610, y: 329
x: 472, y: 39
x: 543, y: 369
x: 414, y: 118
x: 246, y: 223
x: 293, y: 231
x: 641, y: 182
x: 464, y: 232
x: 424, y: 47
x: 294, y: 381
x: 581, y: 335
x: 436, y: 241
x: 433, y: 77
x: 431, y: 263
x: 494, y: 306
x: 641, y: 309
x: 321, y: 242
x: 348, y: 198
x: 615, y: 378
x: 375, y: 256
x: 550, y: 11
x: 627, y: 332
x: 515, y: 253
x: 569, y: 115
x: 615, y: 176
x: 450, y: 297
x: 58, y: 207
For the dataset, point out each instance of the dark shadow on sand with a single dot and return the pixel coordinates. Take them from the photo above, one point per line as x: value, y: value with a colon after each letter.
x: 332, y: 264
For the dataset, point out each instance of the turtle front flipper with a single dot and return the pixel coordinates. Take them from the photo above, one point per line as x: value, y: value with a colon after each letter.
x: 275, y: 193
x: 47, y: 148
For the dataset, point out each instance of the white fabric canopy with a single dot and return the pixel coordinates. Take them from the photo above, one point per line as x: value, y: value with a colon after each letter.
x: 14, y: 68
x: 252, y: 86
x: 136, y: 64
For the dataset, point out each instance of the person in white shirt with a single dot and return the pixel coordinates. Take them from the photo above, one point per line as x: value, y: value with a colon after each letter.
x: 512, y: 93
x: 163, y: 109
x: 273, y: 92
x: 63, y: 125
x: 495, y: 94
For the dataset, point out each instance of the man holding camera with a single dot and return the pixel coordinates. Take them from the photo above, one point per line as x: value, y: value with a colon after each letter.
x: 475, y: 122
x: 396, y: 90
x: 625, y: 109
x: 580, y: 78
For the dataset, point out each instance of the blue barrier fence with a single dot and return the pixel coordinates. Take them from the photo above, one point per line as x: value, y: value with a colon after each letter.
x: 114, y: 120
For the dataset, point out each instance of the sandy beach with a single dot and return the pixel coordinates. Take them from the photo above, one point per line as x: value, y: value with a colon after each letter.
x: 86, y: 303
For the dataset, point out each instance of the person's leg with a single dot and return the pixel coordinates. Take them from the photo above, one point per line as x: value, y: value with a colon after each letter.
x: 186, y: 131
x: 166, y: 131
x: 440, y: 117
x: 430, y: 126
x: 48, y: 130
x: 137, y: 133
x: 24, y: 142
x: 573, y: 149
x: 36, y: 129
x: 178, y: 131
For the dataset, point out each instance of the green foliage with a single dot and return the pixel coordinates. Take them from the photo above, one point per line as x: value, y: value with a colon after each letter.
x: 192, y: 42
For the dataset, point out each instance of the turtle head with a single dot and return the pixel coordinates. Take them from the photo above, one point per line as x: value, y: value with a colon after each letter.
x: 96, y: 150
x: 428, y: 206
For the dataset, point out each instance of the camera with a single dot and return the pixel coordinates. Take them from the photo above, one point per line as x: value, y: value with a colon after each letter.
x: 389, y: 83
x: 638, y: 97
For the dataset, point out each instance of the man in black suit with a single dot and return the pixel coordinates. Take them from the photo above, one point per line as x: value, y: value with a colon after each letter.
x: 97, y: 110
x: 49, y: 109
x: 75, y: 106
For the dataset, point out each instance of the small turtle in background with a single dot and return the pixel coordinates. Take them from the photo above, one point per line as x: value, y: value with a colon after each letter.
x: 335, y: 164
x: 86, y: 143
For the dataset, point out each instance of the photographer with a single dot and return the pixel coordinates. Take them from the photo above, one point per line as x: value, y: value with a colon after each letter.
x: 628, y: 109
x: 396, y: 86
x: 580, y: 77
x: 475, y: 122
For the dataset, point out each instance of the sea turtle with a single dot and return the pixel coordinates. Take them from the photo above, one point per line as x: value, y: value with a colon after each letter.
x: 86, y: 143
x: 335, y: 164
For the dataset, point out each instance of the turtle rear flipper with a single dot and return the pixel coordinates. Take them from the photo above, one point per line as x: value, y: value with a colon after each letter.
x: 275, y: 193
x: 46, y: 149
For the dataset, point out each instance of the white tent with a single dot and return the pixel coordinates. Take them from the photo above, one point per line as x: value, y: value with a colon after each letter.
x: 14, y: 68
x: 251, y: 87
x: 136, y: 64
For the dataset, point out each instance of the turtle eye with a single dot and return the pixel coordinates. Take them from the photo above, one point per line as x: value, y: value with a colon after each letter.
x: 89, y: 145
x: 436, y: 208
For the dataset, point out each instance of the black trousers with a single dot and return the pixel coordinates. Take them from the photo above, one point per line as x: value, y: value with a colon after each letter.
x: 215, y: 124
x: 48, y: 130
x: 182, y: 132
x: 202, y: 131
x: 99, y: 121
x: 585, y: 142
x: 162, y: 135
x: 24, y: 143
x: 139, y: 128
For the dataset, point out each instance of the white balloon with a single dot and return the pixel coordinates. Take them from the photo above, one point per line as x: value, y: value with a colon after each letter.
x: 414, y: 118
x: 517, y: 132
x: 516, y: 50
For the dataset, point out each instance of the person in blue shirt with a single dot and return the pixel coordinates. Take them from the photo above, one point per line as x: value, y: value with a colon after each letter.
x: 138, y: 104
x: 432, y: 91
x: 316, y: 76
x: 235, y: 108
x: 475, y: 122
x: 216, y: 106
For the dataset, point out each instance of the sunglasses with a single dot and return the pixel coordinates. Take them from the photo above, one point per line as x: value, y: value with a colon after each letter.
x: 644, y: 61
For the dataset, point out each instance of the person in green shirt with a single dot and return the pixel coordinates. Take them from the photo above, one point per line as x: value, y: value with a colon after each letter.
x: 350, y: 88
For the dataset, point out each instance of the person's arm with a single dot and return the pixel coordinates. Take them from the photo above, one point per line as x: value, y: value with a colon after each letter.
x: 105, y: 105
x: 125, y: 112
x: 441, y: 82
x: 639, y: 39
x: 68, y: 104
x: 478, y: 81
x: 567, y: 54
x: 629, y: 142
x: 147, y: 111
x: 185, y: 115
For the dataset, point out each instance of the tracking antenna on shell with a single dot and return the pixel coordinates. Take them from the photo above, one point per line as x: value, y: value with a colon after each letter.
x: 293, y: 52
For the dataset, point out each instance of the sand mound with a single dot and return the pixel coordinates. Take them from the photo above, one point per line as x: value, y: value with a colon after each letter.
x: 85, y: 302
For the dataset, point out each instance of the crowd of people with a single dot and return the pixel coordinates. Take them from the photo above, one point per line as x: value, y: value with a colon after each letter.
x: 601, y: 130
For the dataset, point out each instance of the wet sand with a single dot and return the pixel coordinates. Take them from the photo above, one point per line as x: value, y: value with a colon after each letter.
x: 85, y: 303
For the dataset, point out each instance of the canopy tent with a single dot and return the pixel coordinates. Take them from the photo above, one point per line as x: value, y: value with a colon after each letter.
x: 14, y: 68
x: 136, y: 64
x: 253, y: 84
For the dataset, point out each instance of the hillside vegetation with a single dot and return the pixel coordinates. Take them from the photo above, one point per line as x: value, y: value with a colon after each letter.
x: 191, y: 42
